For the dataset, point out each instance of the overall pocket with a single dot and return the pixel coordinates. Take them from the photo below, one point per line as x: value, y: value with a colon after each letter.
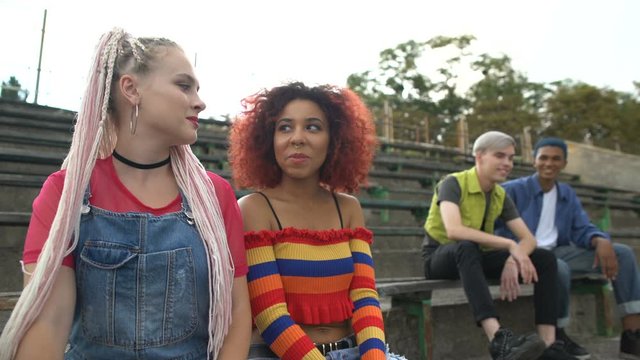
x: 134, y: 300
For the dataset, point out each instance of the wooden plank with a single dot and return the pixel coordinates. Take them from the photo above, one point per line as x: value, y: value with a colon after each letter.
x: 31, y: 156
x: 31, y: 123
x: 419, y: 231
x: 397, y: 230
x: 8, y: 300
x: 23, y: 180
x: 450, y: 292
x: 24, y: 136
x: 10, y: 218
x: 624, y: 234
x: 393, y: 204
x: 404, y: 287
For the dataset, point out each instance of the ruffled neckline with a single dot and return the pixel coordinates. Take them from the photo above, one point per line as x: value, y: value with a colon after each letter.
x: 319, y: 236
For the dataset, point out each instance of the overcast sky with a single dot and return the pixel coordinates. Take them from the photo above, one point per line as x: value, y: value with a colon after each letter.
x: 242, y: 46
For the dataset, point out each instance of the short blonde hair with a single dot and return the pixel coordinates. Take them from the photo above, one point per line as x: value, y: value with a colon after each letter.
x: 492, y: 140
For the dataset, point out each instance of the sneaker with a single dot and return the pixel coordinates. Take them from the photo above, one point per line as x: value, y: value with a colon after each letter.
x: 508, y: 346
x: 557, y: 351
x: 630, y: 345
x: 571, y: 347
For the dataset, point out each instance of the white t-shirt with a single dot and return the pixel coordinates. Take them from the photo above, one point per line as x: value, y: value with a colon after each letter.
x: 547, y: 232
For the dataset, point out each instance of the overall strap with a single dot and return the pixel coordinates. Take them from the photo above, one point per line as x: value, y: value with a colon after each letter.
x: 85, y: 201
x: 271, y: 207
x: 186, y: 208
x: 87, y: 195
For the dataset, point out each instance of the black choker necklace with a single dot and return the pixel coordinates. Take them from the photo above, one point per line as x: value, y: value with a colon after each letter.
x: 141, y: 166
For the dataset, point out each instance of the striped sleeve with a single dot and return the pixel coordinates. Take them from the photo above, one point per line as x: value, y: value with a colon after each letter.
x: 367, y: 316
x: 268, y: 304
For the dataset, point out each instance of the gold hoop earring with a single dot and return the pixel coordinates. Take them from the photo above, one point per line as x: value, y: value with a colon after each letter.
x: 133, y: 122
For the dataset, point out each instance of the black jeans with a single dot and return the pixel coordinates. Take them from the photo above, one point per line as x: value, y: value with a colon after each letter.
x: 465, y: 261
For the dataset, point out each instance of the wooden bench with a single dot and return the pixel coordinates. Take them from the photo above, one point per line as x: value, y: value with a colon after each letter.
x: 23, y: 180
x: 31, y: 156
x: 410, y: 148
x: 439, y: 168
x: 52, y: 124
x: 606, y: 200
x: 212, y: 144
x: 26, y: 137
x: 414, y: 296
x: 415, y: 155
x: 35, y: 111
x: 13, y: 218
x: 8, y: 301
x: 418, y: 231
x: 378, y: 199
x: 214, y: 162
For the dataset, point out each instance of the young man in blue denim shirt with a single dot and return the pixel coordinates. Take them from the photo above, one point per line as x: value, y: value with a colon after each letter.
x: 553, y: 212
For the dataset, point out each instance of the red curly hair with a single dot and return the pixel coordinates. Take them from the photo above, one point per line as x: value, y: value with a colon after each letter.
x: 351, y: 132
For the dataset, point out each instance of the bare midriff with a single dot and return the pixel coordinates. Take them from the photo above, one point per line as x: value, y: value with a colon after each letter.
x: 324, y: 333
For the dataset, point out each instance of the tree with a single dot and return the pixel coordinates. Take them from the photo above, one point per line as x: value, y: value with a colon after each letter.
x: 582, y: 112
x: 451, y: 104
x: 12, y: 90
x: 412, y: 95
x: 504, y: 99
x: 397, y: 83
x: 629, y: 107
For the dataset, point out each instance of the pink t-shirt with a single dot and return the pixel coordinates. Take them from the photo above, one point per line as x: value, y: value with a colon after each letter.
x: 109, y: 193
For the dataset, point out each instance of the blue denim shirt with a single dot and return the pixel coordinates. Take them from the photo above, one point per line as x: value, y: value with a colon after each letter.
x: 571, y: 220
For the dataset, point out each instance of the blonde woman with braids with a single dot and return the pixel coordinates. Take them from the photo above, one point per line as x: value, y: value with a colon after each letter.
x: 133, y: 250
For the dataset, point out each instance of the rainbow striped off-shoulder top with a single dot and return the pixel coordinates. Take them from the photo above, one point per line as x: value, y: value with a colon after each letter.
x: 313, y: 277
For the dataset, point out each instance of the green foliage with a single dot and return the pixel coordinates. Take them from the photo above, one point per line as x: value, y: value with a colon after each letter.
x: 502, y: 99
x: 12, y: 90
x: 411, y: 95
x: 629, y: 132
x: 604, y: 117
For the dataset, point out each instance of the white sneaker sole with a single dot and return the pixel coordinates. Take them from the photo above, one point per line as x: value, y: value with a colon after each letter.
x: 582, y: 357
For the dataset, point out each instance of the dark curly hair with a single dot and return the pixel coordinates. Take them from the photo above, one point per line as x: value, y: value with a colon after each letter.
x: 352, y: 137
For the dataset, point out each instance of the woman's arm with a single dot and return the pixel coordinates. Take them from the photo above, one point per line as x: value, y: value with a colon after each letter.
x: 236, y: 343
x: 48, y: 336
x: 367, y: 319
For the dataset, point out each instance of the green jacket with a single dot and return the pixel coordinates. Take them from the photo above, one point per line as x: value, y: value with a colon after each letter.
x: 472, y: 206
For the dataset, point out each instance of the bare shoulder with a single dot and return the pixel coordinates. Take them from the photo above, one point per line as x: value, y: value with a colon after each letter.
x: 351, y: 210
x: 347, y: 201
x: 255, y: 212
x: 250, y: 200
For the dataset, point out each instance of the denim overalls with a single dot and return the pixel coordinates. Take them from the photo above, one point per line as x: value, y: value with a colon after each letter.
x: 142, y: 287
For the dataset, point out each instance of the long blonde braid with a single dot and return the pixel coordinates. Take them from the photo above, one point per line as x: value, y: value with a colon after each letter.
x: 95, y: 137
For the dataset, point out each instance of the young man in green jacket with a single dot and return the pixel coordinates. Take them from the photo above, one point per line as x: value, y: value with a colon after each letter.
x: 459, y: 244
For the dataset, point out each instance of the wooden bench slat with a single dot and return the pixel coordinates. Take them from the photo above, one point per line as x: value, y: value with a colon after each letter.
x: 8, y: 300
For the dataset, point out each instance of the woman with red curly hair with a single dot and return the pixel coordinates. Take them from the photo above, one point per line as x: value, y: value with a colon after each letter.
x: 311, y: 278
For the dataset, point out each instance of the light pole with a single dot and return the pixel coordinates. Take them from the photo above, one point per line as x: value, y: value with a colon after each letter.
x: 44, y: 24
